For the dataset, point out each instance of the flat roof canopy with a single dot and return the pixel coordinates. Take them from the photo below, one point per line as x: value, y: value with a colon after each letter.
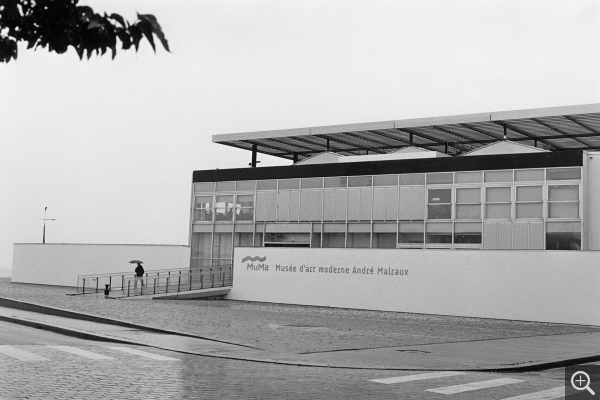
x: 556, y: 128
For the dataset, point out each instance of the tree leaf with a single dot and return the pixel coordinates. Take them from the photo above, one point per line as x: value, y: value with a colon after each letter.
x: 156, y: 29
x: 119, y: 19
x: 147, y: 31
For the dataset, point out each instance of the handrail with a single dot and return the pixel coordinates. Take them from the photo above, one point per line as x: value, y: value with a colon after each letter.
x: 158, y: 281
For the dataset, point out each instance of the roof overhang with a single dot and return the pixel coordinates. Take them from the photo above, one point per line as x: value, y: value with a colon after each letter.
x: 555, y: 128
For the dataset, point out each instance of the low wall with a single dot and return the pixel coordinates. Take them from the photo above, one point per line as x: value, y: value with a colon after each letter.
x: 60, y: 264
x: 547, y: 286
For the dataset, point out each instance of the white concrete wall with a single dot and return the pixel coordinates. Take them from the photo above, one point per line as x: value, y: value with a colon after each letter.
x: 549, y: 286
x: 61, y: 264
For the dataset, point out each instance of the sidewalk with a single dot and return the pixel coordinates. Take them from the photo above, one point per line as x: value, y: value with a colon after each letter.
x: 309, y: 336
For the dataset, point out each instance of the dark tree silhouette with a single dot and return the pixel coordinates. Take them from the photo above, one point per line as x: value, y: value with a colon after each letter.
x: 58, y: 24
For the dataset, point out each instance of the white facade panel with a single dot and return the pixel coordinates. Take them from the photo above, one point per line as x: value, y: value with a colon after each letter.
x: 518, y: 285
x: 61, y: 264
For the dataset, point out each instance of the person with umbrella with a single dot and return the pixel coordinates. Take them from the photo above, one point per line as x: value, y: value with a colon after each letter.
x: 139, y: 273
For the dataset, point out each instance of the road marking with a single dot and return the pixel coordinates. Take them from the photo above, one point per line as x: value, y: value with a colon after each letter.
x: 556, y: 393
x: 419, y: 377
x: 144, y: 354
x: 20, y: 354
x: 82, y: 353
x: 475, y: 386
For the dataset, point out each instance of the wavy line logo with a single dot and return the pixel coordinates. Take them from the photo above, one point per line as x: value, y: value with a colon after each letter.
x: 248, y: 258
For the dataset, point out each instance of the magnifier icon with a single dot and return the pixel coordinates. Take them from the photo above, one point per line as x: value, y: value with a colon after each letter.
x: 578, y: 384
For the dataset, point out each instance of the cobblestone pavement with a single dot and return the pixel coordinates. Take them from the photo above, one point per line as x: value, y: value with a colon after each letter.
x: 64, y: 375
x: 287, y: 328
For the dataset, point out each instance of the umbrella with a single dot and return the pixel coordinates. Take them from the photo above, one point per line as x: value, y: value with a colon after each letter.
x: 136, y: 262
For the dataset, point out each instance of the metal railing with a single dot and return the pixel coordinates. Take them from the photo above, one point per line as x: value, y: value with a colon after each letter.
x: 157, y: 281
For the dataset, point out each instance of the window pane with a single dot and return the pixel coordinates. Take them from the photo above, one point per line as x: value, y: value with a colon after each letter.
x: 440, y: 238
x: 555, y: 227
x: 245, y: 185
x: 498, y: 195
x: 411, y: 232
x: 563, y: 193
x: 529, y: 193
x: 203, y: 214
x: 439, y: 177
x: 340, y: 181
x: 309, y: 183
x: 334, y: 240
x: 225, y: 201
x: 438, y: 196
x: 201, y: 245
x: 245, y: 214
x: 289, y: 184
x: 360, y: 181
x: 499, y: 176
x: 468, y: 211
x: 225, y: 186
x: 563, y: 241
x: 529, y: 175
x: 204, y: 187
x: 411, y: 238
x: 412, y: 179
x: 563, y: 210
x: 467, y: 233
x: 385, y: 180
x: 358, y: 240
x: 243, y: 239
x: 384, y: 240
x: 493, y: 211
x: 558, y: 174
x: 468, y: 177
x: 441, y: 211
x: 246, y: 200
x: 529, y: 210
x: 222, y: 245
x: 204, y: 201
x: 471, y: 195
x: 266, y: 185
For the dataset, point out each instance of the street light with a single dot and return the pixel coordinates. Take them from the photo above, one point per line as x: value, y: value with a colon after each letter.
x: 46, y: 219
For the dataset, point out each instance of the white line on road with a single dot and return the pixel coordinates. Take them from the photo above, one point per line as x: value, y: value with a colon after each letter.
x: 475, y: 386
x: 20, y: 354
x: 419, y: 377
x: 556, y: 393
x: 82, y: 353
x: 143, y: 354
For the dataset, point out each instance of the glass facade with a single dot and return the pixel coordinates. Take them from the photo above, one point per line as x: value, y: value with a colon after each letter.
x: 501, y: 209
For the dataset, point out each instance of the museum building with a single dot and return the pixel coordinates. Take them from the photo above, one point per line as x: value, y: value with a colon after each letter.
x: 513, y: 180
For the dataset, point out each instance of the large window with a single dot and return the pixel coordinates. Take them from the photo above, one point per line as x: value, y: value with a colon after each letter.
x: 203, y: 208
x: 498, y: 202
x: 563, y: 201
x: 224, y: 208
x: 468, y: 203
x: 245, y: 207
x: 529, y: 202
x: 439, y: 203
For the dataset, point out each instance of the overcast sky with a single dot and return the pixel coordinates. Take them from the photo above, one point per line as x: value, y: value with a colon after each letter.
x: 109, y: 146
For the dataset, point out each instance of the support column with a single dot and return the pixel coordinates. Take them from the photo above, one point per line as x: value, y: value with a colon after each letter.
x: 254, y: 151
x: 504, y: 131
x: 295, y: 158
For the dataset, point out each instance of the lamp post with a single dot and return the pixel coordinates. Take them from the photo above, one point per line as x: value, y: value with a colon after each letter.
x: 46, y: 219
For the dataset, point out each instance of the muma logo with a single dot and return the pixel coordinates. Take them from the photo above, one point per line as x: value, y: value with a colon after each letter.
x: 248, y: 258
x: 255, y: 263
